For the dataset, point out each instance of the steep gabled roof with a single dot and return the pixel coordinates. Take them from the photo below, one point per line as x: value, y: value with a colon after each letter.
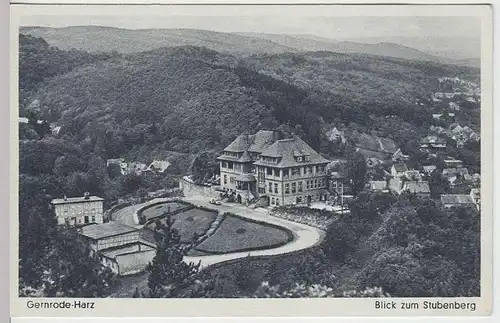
x: 253, y: 143
x: 417, y: 187
x: 286, y: 150
x: 456, y: 199
x: 400, y: 168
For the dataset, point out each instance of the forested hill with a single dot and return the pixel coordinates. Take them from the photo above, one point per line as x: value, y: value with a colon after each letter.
x: 102, y: 38
x: 189, y: 99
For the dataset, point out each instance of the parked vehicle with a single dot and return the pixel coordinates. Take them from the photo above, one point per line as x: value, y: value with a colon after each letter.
x: 215, y: 202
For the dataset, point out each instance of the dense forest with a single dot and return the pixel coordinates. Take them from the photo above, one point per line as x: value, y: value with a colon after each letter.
x: 184, y: 104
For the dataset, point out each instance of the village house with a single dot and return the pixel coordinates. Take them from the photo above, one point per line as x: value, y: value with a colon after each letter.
x: 399, y: 157
x: 395, y: 185
x: 428, y: 169
x: 431, y: 143
x: 74, y: 211
x: 453, y: 106
x: 287, y: 171
x: 451, y: 162
x: 453, y: 200
x: 475, y: 194
x: 158, y: 166
x: 378, y: 186
x: 399, y: 170
x: 452, y: 174
x: 413, y: 175
x: 373, y: 162
x: 338, y: 187
x: 136, y: 168
x: 421, y: 188
x: 118, y: 246
x: 336, y: 135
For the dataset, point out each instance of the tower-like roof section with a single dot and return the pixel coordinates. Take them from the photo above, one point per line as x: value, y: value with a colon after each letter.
x: 287, y: 150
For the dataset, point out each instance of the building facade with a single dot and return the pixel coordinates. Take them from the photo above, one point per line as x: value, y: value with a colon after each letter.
x: 75, y: 211
x: 118, y: 247
x: 287, y: 171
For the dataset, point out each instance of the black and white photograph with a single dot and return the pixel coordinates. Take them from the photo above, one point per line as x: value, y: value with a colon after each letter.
x: 256, y: 153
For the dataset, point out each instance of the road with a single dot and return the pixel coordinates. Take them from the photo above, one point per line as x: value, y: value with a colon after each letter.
x: 305, y: 236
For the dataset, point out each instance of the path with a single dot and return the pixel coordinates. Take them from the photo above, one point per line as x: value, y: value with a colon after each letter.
x: 305, y: 235
x: 126, y: 215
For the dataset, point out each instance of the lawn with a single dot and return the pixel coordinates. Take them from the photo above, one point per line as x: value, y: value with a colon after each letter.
x: 237, y: 234
x: 160, y: 209
x: 190, y: 222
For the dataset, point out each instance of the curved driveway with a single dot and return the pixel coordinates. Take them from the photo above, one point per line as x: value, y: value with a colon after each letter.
x: 305, y: 236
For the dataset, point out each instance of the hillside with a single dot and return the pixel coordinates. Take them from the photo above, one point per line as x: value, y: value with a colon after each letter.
x: 312, y: 43
x: 98, y: 39
x: 151, y: 98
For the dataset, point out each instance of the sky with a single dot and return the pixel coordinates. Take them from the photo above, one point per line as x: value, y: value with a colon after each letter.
x: 336, y: 27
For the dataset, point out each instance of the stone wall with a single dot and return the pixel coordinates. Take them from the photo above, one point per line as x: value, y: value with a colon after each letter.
x: 189, y: 188
x: 136, y: 262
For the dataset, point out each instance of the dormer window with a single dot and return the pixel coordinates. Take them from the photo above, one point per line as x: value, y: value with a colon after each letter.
x: 299, y: 159
x: 307, y: 158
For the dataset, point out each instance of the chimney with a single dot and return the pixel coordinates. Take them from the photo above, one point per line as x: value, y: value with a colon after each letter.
x: 86, y: 195
x: 276, y: 135
x: 65, y: 197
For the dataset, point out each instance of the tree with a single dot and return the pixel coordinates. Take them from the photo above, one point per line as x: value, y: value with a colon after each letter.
x: 168, y: 274
x: 203, y: 167
x: 438, y: 184
x: 356, y: 171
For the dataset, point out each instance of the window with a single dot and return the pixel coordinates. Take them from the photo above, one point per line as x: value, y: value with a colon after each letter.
x: 272, y: 200
x: 277, y: 202
x: 315, y: 183
x: 317, y: 168
x: 322, y: 168
x: 270, y: 187
x: 261, y: 190
x: 231, y: 180
x: 307, y: 158
x: 294, y: 188
x: 309, y: 169
x: 323, y: 182
x: 299, y: 199
x: 276, y: 188
x: 230, y: 165
x: 276, y: 172
x: 287, y: 188
x: 299, y: 159
x: 307, y: 184
x: 300, y: 186
x: 296, y: 171
x: 225, y: 179
x: 224, y: 164
x: 93, y: 218
x: 285, y: 172
x: 269, y: 171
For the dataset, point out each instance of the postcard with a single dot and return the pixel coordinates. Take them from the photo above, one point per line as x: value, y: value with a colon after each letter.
x: 251, y: 160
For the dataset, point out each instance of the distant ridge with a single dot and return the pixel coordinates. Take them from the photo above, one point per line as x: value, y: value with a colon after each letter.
x: 104, y: 38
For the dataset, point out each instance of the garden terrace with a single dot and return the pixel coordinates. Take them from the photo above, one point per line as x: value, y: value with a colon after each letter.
x: 237, y: 234
x: 317, y: 218
x: 190, y: 223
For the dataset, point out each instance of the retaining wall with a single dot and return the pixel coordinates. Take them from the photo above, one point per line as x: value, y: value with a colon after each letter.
x: 189, y: 188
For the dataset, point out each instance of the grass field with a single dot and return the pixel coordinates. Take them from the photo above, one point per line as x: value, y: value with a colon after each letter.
x: 236, y: 234
x: 191, y: 222
x: 157, y: 210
